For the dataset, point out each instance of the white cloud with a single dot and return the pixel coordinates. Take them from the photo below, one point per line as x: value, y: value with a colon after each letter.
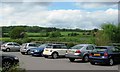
x: 39, y: 16
x: 96, y: 5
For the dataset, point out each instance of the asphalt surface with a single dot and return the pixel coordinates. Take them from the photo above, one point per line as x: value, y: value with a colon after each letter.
x: 40, y: 63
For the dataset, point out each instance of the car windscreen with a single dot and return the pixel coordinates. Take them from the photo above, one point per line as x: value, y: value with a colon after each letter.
x: 76, y: 47
x: 43, y: 46
x: 100, y: 49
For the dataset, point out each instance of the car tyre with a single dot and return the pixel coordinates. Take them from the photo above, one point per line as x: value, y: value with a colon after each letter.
x: 23, y: 53
x: 6, y: 64
x: 93, y: 63
x: 111, y: 62
x: 71, y: 59
x: 46, y: 56
x: 55, y: 55
x: 28, y: 53
x: 8, y: 50
x: 85, y: 58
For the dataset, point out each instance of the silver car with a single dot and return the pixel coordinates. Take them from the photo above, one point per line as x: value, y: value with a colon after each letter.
x: 10, y: 46
x: 80, y: 51
x: 25, y: 48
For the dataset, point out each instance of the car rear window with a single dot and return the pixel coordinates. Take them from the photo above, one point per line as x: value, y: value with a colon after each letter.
x: 100, y: 48
x: 33, y: 45
x: 76, y: 47
x: 49, y: 46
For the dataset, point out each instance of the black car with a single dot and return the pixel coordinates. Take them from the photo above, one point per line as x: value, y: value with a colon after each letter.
x: 7, y: 61
x: 105, y: 55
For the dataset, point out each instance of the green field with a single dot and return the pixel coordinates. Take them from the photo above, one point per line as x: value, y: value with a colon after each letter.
x: 64, y: 38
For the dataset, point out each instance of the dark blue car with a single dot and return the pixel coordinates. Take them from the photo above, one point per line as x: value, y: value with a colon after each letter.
x: 38, y: 50
x: 105, y: 55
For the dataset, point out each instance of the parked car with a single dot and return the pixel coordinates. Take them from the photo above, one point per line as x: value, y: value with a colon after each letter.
x: 10, y: 46
x: 38, y: 51
x: 105, y: 55
x: 25, y: 48
x: 80, y: 51
x: 55, y: 50
x: 7, y: 61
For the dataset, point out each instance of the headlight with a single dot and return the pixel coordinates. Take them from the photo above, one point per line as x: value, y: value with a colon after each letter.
x: 35, y: 50
x: 16, y: 58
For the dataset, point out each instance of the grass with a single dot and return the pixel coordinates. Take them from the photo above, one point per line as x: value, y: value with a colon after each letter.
x: 65, y: 38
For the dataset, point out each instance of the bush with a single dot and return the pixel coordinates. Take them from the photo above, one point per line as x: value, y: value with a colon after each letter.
x: 17, y: 32
x: 55, y: 34
x: 70, y: 44
x: 73, y: 34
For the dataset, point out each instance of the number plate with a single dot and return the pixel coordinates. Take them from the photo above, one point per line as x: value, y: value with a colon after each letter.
x: 96, y: 54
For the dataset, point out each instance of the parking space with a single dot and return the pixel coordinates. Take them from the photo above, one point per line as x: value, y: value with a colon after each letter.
x: 40, y: 63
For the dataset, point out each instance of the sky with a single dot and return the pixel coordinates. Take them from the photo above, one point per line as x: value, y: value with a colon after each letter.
x: 82, y: 15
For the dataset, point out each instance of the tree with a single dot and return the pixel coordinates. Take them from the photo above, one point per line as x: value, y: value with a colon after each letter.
x: 55, y: 34
x: 17, y: 32
x: 112, y: 32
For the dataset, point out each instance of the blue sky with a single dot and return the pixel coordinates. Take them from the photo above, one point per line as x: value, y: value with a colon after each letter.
x: 74, y: 6
x: 83, y: 15
x: 62, y: 5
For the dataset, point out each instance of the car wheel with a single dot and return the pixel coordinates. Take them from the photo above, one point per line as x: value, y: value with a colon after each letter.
x: 46, y: 56
x: 54, y: 55
x: 28, y: 53
x: 111, y: 62
x: 8, y: 49
x: 85, y: 58
x: 6, y: 64
x: 93, y: 63
x: 71, y: 59
x: 23, y: 53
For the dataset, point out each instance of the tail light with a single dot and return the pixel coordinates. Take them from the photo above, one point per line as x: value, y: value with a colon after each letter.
x: 90, y: 54
x: 78, y: 51
x: 67, y: 51
x: 2, y: 45
x: 105, y: 54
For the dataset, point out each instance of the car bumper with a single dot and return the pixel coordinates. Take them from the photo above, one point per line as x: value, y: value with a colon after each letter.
x: 99, y: 60
x: 3, y: 49
x: 24, y: 50
x: 36, y: 53
x: 73, y: 56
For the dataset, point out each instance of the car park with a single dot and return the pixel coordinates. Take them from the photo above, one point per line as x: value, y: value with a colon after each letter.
x: 80, y: 51
x: 38, y: 51
x: 105, y: 55
x: 25, y: 48
x: 10, y: 46
x: 55, y: 50
x: 7, y: 61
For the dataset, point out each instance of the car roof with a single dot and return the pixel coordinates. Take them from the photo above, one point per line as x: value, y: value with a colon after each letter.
x: 55, y: 44
x: 85, y: 44
x: 106, y: 46
x: 10, y: 42
x: 29, y: 43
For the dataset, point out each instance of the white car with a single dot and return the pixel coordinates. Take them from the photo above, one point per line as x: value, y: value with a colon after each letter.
x: 25, y: 48
x: 10, y: 46
x: 55, y: 50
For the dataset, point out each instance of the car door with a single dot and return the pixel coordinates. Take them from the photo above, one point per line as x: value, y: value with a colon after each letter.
x: 10, y: 45
x: 57, y: 48
x: 63, y: 49
x: 116, y: 54
x: 0, y: 58
x: 16, y: 47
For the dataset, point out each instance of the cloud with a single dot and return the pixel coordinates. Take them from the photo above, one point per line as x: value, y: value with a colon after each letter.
x: 38, y: 15
x: 96, y: 5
